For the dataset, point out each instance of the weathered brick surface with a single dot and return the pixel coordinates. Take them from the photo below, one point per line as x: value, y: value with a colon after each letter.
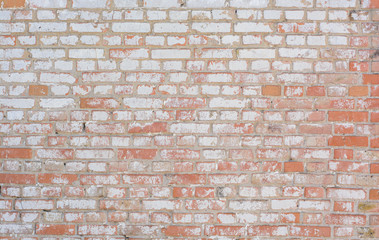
x: 189, y: 119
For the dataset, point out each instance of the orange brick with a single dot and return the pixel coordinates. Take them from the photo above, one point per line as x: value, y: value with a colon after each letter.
x: 38, y: 90
x: 12, y: 3
x: 271, y: 90
x: 358, y: 91
x: 293, y: 167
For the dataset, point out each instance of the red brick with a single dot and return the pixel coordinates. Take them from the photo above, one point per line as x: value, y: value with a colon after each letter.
x: 316, y: 91
x: 38, y: 90
x: 271, y: 90
x: 351, y: 141
x: 12, y: 3
x: 55, y: 229
x: 182, y: 231
x: 137, y: 153
x: 9, y: 178
x: 293, y: 167
x: 374, y: 194
x: 51, y: 178
x: 342, y: 116
x: 100, y: 103
x: 22, y: 153
x: 156, y: 127
x: 371, y: 78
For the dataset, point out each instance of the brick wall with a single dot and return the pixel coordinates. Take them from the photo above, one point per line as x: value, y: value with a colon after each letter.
x: 201, y: 119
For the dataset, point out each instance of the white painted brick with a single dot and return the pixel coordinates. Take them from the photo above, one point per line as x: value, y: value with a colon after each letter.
x: 294, y: 15
x: 252, y: 27
x: 12, y: 27
x: 11, y: 53
x: 211, y: 27
x: 205, y: 4
x: 316, y: 15
x: 170, y: 53
x: 338, y: 15
x: 48, y: 3
x: 294, y: 3
x: 63, y: 65
x: 272, y: 14
x: 85, y: 65
x: 178, y: 15
x: 86, y: 53
x: 316, y: 40
x: 238, y: 65
x: 161, y: 3
x: 143, y: 103
x: 336, y: 3
x: 134, y: 15
x: 297, y: 53
x: 249, y: 3
x: 260, y: 65
x: 337, y: 40
x: 47, y: 27
x: 127, y: 64
x: 16, y: 103
x: 57, y: 103
x: 5, y: 14
x: 229, y: 103
x: 295, y: 40
x: 338, y: 27
x: 89, y: 27
x: 302, y: 66
x: 57, y: 78
x: 125, y: 3
x: 170, y: 27
x: 256, y: 53
x: 18, y: 77
x: 90, y: 3
x: 131, y: 27
x: 45, y: 15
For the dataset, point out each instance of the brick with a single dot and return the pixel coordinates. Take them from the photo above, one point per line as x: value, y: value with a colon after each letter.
x: 90, y: 4
x: 7, y: 153
x: 99, y: 103
x: 38, y: 90
x: 137, y: 153
x: 56, y: 229
x: 17, y: 178
x: 348, y: 141
x: 12, y: 3
x: 48, y: 4
x: 182, y: 231
x: 131, y: 27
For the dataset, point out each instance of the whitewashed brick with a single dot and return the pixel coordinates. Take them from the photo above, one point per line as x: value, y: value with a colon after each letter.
x: 86, y: 53
x: 48, y: 3
x: 47, y: 27
x: 131, y: 27
x: 211, y: 27
x: 294, y: 3
x: 57, y: 103
x: 126, y: 3
x: 170, y: 53
x: 90, y: 3
x: 205, y: 4
x: 170, y: 27
x: 256, y: 53
x: 249, y: 3
x: 252, y: 27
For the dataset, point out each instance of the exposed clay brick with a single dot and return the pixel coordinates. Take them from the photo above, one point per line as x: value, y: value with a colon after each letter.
x: 12, y: 3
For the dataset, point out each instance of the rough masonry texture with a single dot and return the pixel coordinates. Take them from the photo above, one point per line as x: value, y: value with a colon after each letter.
x: 189, y: 119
